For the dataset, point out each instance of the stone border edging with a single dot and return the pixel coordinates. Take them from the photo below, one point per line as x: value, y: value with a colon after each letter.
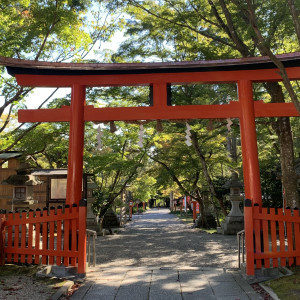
x: 62, y: 290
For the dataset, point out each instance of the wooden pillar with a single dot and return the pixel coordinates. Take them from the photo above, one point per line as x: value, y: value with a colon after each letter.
x: 249, y: 142
x: 76, y: 144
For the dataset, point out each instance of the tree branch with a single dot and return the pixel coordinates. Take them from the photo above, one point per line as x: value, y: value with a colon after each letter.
x: 19, y: 138
x: 231, y: 31
x: 274, y: 59
x: 295, y: 17
x: 195, y: 142
x: 203, y: 33
x: 174, y: 177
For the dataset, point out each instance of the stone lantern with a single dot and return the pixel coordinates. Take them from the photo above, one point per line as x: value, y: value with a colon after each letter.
x: 205, y: 192
x: 234, y: 221
x: 91, y: 222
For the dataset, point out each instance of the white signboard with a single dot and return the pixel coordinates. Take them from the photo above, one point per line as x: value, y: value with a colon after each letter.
x: 58, y: 188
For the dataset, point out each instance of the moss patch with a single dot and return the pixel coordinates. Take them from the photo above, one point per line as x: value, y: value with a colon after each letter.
x: 15, y: 270
x: 184, y: 217
x: 210, y: 231
x: 287, y: 287
x: 188, y: 218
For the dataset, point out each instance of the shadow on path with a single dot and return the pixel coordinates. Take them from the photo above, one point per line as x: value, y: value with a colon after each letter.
x: 159, y: 239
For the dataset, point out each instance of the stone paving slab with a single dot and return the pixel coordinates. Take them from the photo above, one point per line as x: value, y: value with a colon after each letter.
x: 158, y: 258
x: 198, y: 295
x: 224, y: 288
x: 103, y: 290
x: 80, y: 293
x: 138, y: 281
x: 140, y: 292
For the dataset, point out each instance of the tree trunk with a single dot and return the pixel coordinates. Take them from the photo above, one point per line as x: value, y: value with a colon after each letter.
x: 288, y: 175
x: 283, y: 130
x: 202, y: 210
x: 211, y: 186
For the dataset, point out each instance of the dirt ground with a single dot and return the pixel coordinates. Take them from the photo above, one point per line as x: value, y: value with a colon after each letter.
x: 20, y: 282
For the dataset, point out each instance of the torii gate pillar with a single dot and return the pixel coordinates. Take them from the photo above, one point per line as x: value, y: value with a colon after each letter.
x: 76, y: 144
x: 249, y: 142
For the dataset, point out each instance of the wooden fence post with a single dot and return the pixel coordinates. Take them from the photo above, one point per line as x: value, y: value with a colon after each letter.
x: 297, y: 235
x: 82, y: 237
x: 2, y: 238
x: 248, y: 216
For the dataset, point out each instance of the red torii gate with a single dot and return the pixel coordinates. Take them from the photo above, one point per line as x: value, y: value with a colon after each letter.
x: 157, y: 75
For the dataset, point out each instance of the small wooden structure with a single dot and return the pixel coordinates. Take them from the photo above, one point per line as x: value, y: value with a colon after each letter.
x: 17, y: 185
x: 54, y: 186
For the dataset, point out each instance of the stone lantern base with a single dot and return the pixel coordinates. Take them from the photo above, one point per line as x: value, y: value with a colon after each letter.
x: 231, y: 225
x: 234, y: 222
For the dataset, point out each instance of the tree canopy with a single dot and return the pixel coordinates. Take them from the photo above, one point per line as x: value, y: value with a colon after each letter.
x: 165, y: 30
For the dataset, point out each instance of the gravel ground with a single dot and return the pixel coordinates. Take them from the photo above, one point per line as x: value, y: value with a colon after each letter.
x: 25, y: 287
x: 159, y: 239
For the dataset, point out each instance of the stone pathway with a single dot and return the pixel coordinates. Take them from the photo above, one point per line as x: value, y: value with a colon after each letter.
x: 157, y: 257
x: 159, y: 239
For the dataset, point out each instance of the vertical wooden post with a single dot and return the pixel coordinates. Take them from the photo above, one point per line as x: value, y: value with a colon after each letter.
x: 194, y: 211
x: 37, y: 235
x: 249, y: 142
x: 82, y: 237
x: 76, y: 143
x: 248, y: 212
x: 30, y: 235
x: 130, y: 209
x: 23, y: 234
x: 66, y: 231
x: 45, y: 237
x: 160, y: 96
x: 2, y: 239
x: 59, y: 234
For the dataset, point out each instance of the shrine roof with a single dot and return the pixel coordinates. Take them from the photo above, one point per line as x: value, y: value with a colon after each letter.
x: 10, y: 154
x: 19, y: 66
x: 49, y: 172
x: 52, y: 172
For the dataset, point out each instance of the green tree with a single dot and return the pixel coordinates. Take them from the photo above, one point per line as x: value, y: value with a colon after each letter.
x: 143, y: 187
x: 191, y: 168
x: 116, y: 165
x: 206, y: 29
x: 59, y: 30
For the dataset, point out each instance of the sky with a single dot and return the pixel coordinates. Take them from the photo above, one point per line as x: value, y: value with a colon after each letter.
x: 40, y: 94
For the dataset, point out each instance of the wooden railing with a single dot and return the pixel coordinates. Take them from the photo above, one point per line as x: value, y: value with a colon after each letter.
x: 272, y: 237
x: 53, y: 237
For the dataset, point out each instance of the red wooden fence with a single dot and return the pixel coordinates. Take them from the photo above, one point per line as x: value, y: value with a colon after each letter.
x: 272, y: 237
x: 46, y: 237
